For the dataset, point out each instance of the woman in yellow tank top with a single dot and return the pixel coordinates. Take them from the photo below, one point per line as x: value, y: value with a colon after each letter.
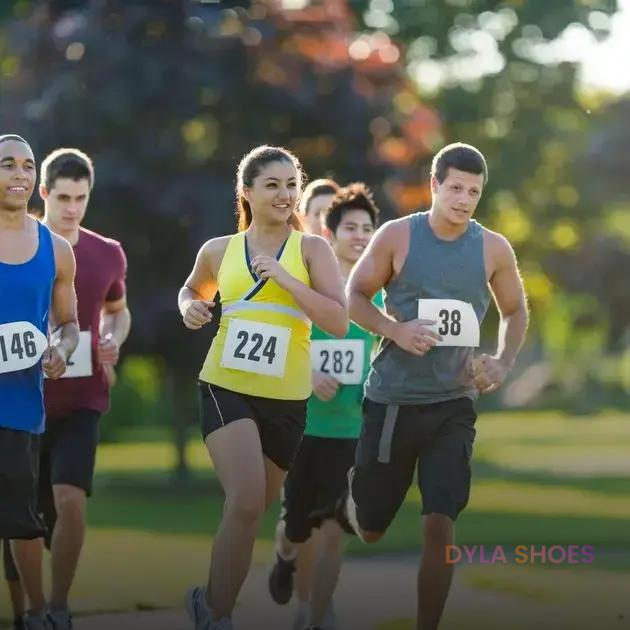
x: 274, y: 280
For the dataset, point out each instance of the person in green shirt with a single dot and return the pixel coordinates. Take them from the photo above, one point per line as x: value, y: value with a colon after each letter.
x: 319, y: 472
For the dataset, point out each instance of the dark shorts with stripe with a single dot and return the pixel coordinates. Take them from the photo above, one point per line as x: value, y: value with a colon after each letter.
x: 318, y: 476
x: 19, y: 473
x: 280, y: 422
x: 437, y: 437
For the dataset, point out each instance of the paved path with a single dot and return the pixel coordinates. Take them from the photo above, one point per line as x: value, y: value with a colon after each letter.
x: 370, y: 592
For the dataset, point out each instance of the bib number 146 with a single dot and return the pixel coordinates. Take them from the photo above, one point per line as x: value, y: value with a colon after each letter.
x: 21, y: 346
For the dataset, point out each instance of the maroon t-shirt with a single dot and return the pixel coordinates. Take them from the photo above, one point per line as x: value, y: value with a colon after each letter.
x: 100, y: 278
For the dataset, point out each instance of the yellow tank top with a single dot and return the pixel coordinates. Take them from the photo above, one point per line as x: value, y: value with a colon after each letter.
x: 262, y: 347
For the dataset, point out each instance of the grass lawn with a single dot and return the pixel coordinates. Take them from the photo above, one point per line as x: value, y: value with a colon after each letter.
x: 537, y: 479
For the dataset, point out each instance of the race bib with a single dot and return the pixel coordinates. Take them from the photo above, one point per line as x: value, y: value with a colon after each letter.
x: 79, y: 363
x: 256, y: 347
x: 341, y: 358
x: 21, y: 346
x: 457, y: 322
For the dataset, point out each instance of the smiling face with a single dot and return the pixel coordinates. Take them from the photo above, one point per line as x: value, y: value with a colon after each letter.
x: 455, y: 199
x: 352, y: 235
x: 66, y: 203
x: 17, y: 175
x: 273, y: 194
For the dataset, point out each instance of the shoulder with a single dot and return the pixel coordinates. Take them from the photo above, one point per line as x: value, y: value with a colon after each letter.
x: 64, y: 256
x: 497, y: 246
x: 315, y: 247
x: 213, y: 250
x: 391, y: 234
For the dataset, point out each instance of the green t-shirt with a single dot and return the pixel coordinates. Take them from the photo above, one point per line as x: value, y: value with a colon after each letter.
x: 340, y: 417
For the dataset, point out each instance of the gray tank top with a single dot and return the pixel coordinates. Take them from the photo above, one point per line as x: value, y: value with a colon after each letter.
x: 434, y: 268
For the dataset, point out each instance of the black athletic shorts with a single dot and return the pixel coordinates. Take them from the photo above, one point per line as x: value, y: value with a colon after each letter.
x: 19, y: 471
x: 438, y: 437
x: 280, y: 422
x: 318, y: 476
x: 67, y: 455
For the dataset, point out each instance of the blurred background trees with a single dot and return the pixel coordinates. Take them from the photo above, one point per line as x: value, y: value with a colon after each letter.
x: 167, y: 96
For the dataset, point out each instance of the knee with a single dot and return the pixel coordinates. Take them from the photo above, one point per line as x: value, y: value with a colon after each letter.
x: 331, y: 536
x: 370, y: 537
x: 245, y: 509
x: 69, y: 503
x: 438, y: 530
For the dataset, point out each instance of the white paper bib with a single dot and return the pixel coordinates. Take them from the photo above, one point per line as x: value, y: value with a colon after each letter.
x: 341, y: 358
x: 457, y: 322
x: 21, y: 346
x: 79, y: 363
x: 256, y: 347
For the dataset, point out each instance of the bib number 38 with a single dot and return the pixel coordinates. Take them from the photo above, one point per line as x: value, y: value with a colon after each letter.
x: 21, y: 346
x: 256, y: 347
x: 456, y: 321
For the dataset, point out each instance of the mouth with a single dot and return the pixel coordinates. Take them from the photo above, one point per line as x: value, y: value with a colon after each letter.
x: 460, y: 211
x: 358, y: 248
x: 17, y: 189
x: 281, y: 206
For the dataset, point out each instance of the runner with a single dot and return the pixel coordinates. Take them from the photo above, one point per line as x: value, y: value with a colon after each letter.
x: 36, y: 278
x: 319, y: 473
x: 75, y: 403
x: 315, y: 199
x: 256, y: 379
x: 436, y: 268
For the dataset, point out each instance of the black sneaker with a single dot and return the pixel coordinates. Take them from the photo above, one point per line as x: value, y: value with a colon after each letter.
x: 18, y: 624
x: 281, y: 580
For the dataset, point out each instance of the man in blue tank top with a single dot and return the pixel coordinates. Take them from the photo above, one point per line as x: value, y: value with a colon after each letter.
x: 437, y: 269
x: 36, y: 277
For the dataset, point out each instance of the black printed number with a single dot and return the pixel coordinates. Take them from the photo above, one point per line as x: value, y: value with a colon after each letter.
x: 257, y: 340
x: 450, y: 322
x: 340, y: 362
x: 21, y: 344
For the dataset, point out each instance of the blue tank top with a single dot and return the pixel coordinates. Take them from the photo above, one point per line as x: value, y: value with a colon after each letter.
x: 25, y: 294
x: 434, y: 269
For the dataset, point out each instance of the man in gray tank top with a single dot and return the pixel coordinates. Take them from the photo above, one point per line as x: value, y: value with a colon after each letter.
x: 437, y: 269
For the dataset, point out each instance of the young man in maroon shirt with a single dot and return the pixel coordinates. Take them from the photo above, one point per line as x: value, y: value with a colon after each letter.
x: 75, y: 403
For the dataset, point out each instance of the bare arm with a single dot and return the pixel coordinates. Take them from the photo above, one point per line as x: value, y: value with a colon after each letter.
x: 371, y: 273
x: 509, y: 296
x: 63, y: 309
x: 194, y: 297
x: 115, y: 320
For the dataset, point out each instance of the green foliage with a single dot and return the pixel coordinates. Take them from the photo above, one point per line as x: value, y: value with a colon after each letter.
x: 139, y: 398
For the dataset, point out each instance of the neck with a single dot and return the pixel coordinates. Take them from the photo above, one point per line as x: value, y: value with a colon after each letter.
x: 72, y: 236
x: 13, y: 219
x: 445, y: 229
x: 268, y: 234
x: 345, y: 267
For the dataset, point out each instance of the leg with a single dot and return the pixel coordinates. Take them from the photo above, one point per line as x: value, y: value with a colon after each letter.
x: 67, y: 470
x: 305, y: 567
x: 28, y: 560
x: 327, y: 569
x: 434, y: 576
x: 67, y: 540
x: 236, y: 452
x: 444, y: 480
x: 16, y: 592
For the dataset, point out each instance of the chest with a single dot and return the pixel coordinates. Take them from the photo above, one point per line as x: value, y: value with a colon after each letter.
x: 16, y: 249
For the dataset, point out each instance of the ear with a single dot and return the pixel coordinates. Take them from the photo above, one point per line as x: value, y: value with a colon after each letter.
x: 434, y: 184
x: 247, y: 194
x: 328, y: 234
x: 43, y: 192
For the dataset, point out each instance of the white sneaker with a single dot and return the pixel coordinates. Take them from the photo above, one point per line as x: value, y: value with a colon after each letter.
x: 60, y: 619
x: 198, y: 611
x: 37, y: 622
x: 301, y: 616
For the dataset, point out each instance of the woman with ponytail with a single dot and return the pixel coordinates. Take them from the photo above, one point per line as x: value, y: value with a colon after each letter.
x: 274, y: 280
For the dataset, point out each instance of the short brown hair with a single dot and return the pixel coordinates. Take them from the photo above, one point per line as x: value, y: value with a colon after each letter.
x: 66, y: 164
x: 356, y: 196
